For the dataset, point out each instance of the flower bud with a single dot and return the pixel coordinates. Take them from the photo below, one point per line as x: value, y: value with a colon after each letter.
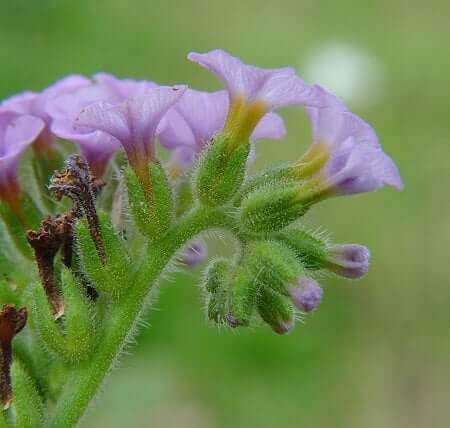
x: 306, y: 294
x: 310, y: 250
x: 214, y: 282
x: 276, y: 310
x: 243, y: 292
x: 273, y: 265
x: 348, y: 260
x: 269, y: 209
x: 216, y: 274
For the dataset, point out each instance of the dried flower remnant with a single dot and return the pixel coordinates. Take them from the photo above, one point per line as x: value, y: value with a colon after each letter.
x: 55, y: 233
x: 75, y: 182
x: 12, y: 321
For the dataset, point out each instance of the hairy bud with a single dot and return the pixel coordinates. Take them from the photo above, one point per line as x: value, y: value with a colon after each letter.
x: 153, y: 213
x: 276, y: 310
x: 271, y: 208
x: 221, y: 171
x: 306, y: 294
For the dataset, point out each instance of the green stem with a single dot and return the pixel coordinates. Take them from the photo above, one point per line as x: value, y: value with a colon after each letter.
x: 85, y: 380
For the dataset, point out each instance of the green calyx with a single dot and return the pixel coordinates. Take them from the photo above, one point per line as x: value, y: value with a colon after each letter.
x: 153, y: 213
x: 221, y: 171
x: 271, y: 208
x: 310, y: 250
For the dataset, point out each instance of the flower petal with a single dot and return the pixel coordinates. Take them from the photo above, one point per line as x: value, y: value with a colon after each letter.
x: 274, y: 87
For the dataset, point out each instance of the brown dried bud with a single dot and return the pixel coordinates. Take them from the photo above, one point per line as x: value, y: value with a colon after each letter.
x: 76, y: 182
x: 12, y: 321
x: 55, y: 233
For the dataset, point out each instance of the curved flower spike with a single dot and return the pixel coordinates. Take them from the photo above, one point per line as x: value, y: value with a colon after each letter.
x: 35, y: 104
x: 254, y: 91
x: 198, y: 117
x: 133, y: 122
x: 345, y: 153
x: 17, y: 132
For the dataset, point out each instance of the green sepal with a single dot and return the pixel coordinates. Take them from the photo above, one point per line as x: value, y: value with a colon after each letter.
x: 28, y: 405
x: 215, y: 282
x: 217, y: 306
x: 271, y: 208
x: 3, y: 421
x: 71, y: 346
x: 44, y: 322
x: 310, y: 250
x: 216, y: 274
x: 79, y: 317
x: 112, y: 277
x: 221, y: 172
x: 271, y: 177
x: 44, y: 165
x: 243, y: 292
x: 17, y: 228
x: 273, y: 264
x: 7, y: 294
x: 152, y: 217
x: 184, y: 198
x: 276, y: 310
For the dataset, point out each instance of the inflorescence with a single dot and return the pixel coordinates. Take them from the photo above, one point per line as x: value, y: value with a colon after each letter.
x: 102, y: 227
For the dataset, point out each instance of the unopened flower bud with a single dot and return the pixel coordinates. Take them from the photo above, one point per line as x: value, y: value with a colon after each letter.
x: 276, y: 310
x: 76, y: 182
x: 271, y: 208
x: 306, y: 294
x: 348, y: 260
x: 54, y: 234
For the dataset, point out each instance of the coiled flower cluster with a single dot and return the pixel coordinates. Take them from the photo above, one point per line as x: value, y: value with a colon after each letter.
x: 84, y: 242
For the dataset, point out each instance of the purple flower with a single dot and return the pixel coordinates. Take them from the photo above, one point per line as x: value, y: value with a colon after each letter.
x: 35, y: 104
x: 132, y: 122
x: 196, y: 252
x: 306, y: 294
x: 198, y: 117
x: 254, y: 91
x: 96, y: 146
x: 348, y: 260
x: 17, y: 132
x: 346, y: 151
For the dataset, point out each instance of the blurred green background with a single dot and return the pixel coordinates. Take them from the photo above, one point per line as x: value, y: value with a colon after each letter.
x: 376, y: 354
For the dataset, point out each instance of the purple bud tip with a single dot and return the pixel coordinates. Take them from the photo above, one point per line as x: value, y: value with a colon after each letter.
x: 232, y: 321
x: 284, y: 327
x: 195, y: 253
x: 306, y: 295
x: 349, y: 260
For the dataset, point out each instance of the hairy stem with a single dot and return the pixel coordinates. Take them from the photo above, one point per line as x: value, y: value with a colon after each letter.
x: 85, y: 380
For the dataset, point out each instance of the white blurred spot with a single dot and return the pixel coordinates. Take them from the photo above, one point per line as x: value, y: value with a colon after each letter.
x: 355, y: 75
